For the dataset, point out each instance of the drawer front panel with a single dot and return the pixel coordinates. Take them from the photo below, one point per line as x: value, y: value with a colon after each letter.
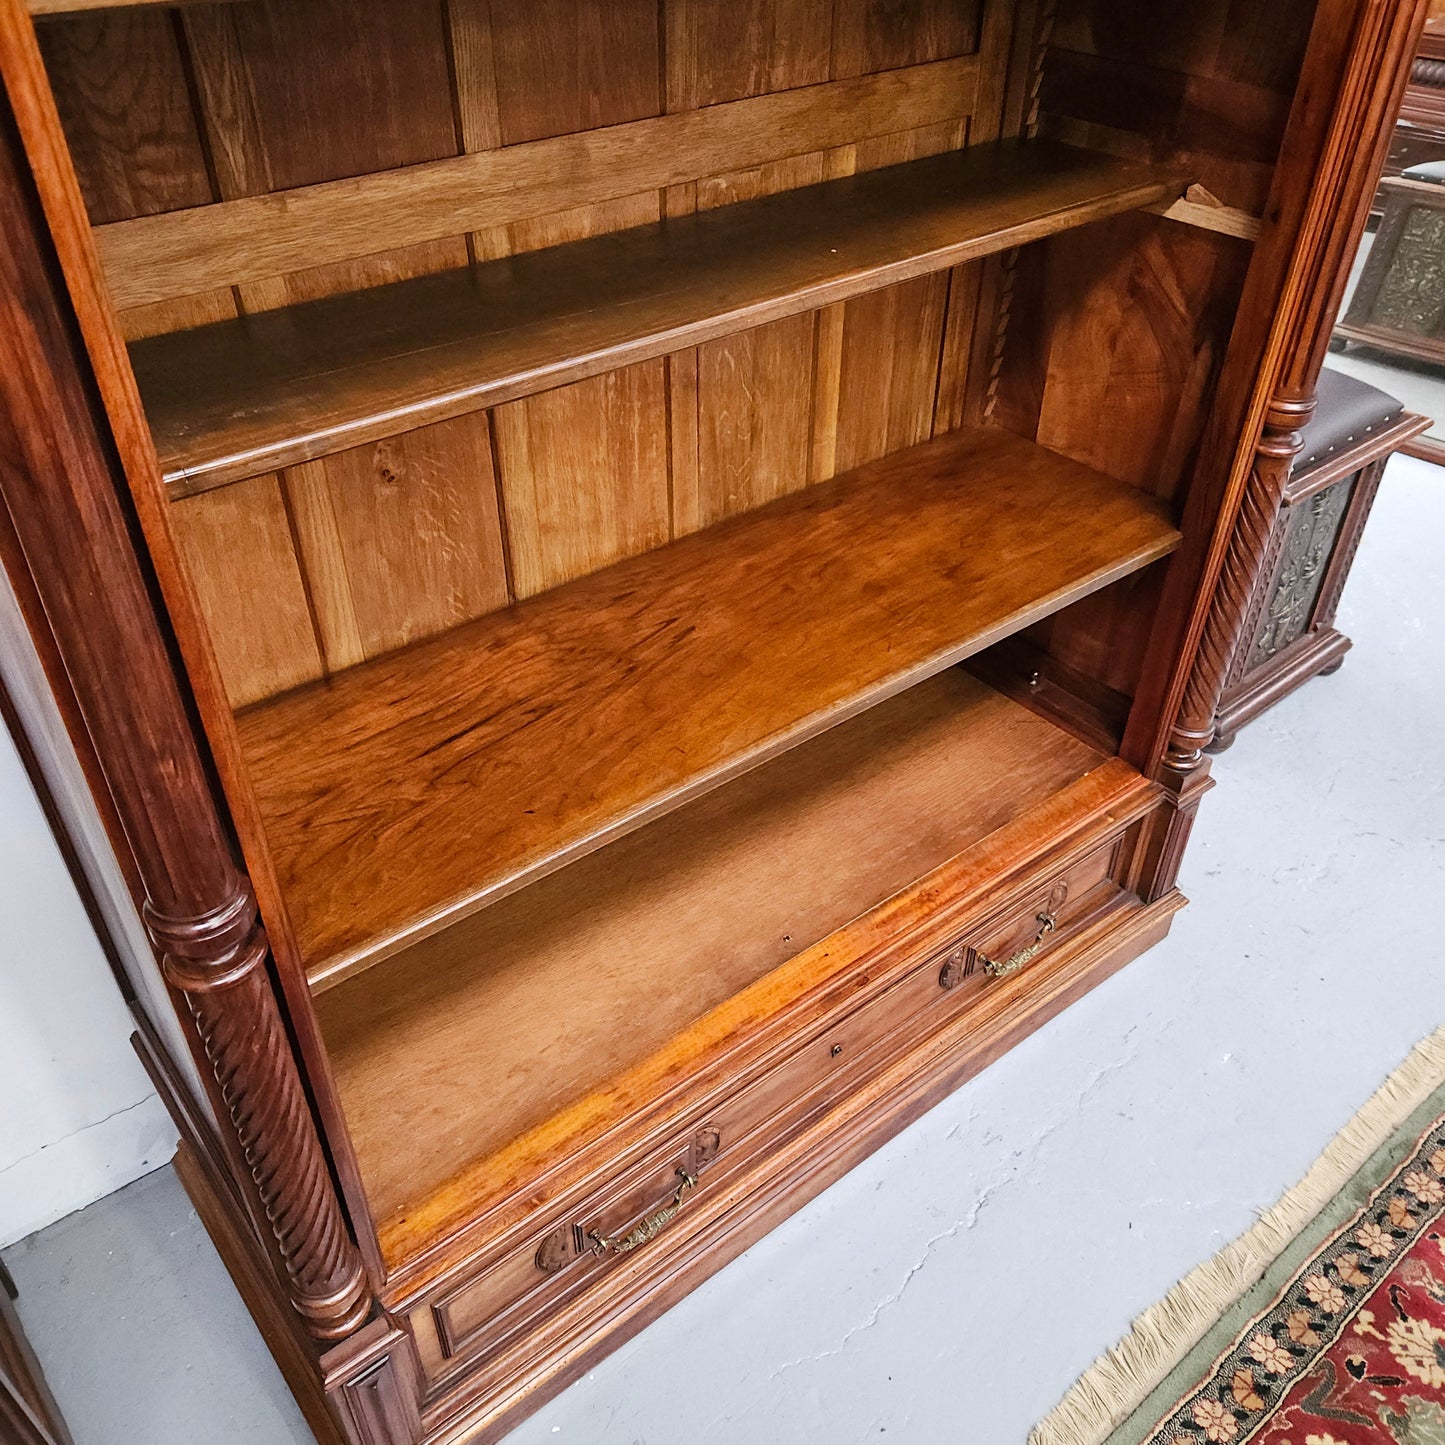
x: 881, y: 1012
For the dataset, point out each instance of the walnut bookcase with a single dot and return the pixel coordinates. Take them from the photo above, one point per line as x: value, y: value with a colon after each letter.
x: 642, y: 587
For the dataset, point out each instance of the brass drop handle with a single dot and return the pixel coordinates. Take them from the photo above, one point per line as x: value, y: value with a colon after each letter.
x: 996, y: 969
x: 648, y: 1228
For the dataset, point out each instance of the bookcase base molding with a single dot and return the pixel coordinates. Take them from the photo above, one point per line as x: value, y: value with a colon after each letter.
x: 641, y: 588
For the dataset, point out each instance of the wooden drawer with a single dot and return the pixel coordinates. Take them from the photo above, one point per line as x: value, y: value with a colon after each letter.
x: 876, y: 1015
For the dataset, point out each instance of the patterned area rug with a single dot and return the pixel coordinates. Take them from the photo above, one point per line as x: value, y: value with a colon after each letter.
x: 1325, y: 1325
x: 1354, y: 1344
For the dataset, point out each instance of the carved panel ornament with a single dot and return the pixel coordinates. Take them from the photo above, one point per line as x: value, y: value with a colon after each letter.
x: 1314, y: 525
x: 1412, y: 295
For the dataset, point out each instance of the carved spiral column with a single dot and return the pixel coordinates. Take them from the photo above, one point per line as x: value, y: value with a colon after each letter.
x: 1279, y: 445
x: 218, y: 963
x: 60, y: 484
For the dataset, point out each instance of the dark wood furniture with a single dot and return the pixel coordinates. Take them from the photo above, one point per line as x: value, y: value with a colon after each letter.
x: 642, y: 587
x: 28, y: 1412
x: 1399, y: 305
x: 1289, y: 634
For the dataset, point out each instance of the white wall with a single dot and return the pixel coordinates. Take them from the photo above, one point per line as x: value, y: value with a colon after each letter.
x: 78, y: 1117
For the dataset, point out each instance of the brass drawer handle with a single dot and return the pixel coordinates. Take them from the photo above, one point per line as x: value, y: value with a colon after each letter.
x: 648, y: 1228
x: 995, y: 969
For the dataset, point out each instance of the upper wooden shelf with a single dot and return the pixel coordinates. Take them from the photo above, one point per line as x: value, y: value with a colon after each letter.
x: 411, y: 790
x: 244, y: 397
x: 65, y: 7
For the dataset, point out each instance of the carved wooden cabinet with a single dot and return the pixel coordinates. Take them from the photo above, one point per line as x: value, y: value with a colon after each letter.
x: 642, y: 587
x: 1289, y: 634
x: 1399, y: 305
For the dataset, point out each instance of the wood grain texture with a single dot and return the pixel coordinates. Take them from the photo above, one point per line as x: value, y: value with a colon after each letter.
x: 1146, y: 302
x: 751, y: 429
x: 564, y: 66
x: 154, y: 257
x: 60, y: 490
x: 279, y: 120
x: 776, y: 1019
x: 888, y: 370
x: 527, y: 72
x: 125, y: 103
x: 262, y: 632
x: 722, y: 50
x: 1212, y: 88
x: 584, y: 475
x: 527, y: 738
x: 401, y: 539
x: 120, y: 85
x: 274, y: 120
x: 1205, y: 81
x: 872, y: 35
x: 471, y: 1039
x: 233, y: 400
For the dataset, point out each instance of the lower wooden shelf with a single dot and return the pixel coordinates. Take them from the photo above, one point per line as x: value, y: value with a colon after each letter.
x: 417, y: 788
x: 501, y: 1042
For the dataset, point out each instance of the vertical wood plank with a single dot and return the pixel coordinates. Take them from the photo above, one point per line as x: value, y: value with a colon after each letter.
x: 126, y: 109
x: 755, y: 415
x: 1139, y: 319
x: 764, y: 180
x: 584, y: 475
x: 275, y: 119
x: 524, y: 72
x: 718, y: 51
x: 401, y: 538
x: 960, y: 329
x: 827, y: 375
x: 721, y: 50
x: 996, y: 27
x: 380, y: 98
x: 238, y: 550
x: 570, y: 65
x: 120, y: 88
x: 888, y: 376
x: 872, y: 35
x: 909, y: 145
x: 322, y: 546
x: 682, y: 442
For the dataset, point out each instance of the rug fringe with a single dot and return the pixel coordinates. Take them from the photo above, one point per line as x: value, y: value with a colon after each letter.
x: 1121, y: 1380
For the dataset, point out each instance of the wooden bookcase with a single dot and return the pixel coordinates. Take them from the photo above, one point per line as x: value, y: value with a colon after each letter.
x: 641, y: 587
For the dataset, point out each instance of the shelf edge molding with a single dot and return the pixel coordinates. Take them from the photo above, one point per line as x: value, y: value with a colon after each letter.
x: 412, y: 790
x: 242, y: 398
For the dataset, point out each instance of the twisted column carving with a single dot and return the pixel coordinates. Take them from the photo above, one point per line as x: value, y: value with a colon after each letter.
x: 1249, y: 543
x: 62, y: 491
x: 217, y: 961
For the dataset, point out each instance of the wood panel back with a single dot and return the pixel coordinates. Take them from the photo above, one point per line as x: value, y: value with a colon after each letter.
x: 1114, y: 339
x: 1209, y: 83
x: 584, y: 473
x: 369, y: 549
x: 400, y: 539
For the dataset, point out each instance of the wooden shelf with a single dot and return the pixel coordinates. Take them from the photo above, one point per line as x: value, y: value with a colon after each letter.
x: 481, y: 1034
x: 244, y: 397
x: 411, y: 790
x: 64, y: 7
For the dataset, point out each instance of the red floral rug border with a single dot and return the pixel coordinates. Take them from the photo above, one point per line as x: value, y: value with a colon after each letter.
x: 1284, y: 1370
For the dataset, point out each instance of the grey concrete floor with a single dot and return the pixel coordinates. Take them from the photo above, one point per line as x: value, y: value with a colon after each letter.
x: 954, y: 1285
